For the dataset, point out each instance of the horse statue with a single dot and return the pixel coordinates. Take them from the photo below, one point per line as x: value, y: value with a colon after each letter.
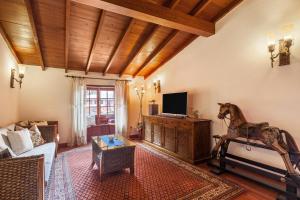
x: 271, y: 136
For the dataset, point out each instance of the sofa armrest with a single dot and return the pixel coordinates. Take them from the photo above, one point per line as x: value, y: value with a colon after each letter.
x: 49, y: 133
x: 22, y: 177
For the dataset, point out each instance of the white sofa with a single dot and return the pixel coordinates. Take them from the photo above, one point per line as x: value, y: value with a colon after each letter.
x: 48, y: 150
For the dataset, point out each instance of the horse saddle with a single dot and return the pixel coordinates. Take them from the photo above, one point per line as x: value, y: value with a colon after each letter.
x: 252, y: 129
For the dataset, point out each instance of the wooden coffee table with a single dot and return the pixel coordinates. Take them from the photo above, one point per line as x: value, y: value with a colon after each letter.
x: 112, y: 156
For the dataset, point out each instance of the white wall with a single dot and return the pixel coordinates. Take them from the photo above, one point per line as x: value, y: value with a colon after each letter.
x: 234, y: 66
x: 46, y: 95
x: 8, y: 96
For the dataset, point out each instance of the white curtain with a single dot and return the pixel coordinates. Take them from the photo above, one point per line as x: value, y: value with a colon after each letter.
x: 121, y: 112
x: 79, y: 127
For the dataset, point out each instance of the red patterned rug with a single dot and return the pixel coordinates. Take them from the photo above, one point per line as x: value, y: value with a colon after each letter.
x: 157, y: 176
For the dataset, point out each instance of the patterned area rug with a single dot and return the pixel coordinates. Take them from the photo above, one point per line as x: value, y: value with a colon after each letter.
x: 157, y: 176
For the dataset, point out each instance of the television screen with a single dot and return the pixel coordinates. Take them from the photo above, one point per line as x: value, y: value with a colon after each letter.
x: 175, y: 103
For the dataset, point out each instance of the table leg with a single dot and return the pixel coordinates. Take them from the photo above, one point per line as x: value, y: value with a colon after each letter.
x: 92, y: 165
x: 131, y: 170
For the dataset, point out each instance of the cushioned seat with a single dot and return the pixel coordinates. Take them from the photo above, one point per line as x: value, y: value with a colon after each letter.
x: 48, y: 149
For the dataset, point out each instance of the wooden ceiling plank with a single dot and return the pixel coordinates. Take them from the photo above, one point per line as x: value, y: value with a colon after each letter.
x: 9, y: 44
x: 200, y: 7
x: 139, y: 48
x: 156, y: 14
x: 171, y: 5
x: 96, y: 37
x: 231, y: 6
x: 185, y: 44
x: 118, y: 46
x: 67, y: 33
x: 195, y: 11
x: 166, y: 41
x: 34, y: 31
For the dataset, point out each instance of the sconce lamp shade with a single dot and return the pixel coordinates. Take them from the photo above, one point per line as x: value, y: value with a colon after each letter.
x: 13, y: 79
x: 22, y: 69
x: 283, y: 51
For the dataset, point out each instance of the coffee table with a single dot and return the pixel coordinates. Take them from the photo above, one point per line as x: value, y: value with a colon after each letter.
x: 112, y: 156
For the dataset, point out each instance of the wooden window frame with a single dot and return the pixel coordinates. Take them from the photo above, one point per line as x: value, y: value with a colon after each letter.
x: 100, y: 88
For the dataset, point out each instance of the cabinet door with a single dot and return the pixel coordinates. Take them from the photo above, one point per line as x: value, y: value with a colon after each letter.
x: 169, y: 138
x: 184, y: 142
x: 148, y: 130
x: 157, y: 133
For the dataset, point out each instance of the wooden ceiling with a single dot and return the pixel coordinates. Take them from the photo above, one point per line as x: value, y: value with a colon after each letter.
x: 106, y: 36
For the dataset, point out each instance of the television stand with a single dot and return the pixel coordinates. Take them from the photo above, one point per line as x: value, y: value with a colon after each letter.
x: 187, y: 139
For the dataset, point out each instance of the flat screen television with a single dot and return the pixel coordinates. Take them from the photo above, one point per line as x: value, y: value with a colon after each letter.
x: 175, y: 103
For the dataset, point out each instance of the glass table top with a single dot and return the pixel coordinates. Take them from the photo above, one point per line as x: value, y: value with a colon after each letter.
x: 105, y: 143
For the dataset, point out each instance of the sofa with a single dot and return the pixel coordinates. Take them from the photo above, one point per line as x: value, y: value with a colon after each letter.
x: 26, y: 174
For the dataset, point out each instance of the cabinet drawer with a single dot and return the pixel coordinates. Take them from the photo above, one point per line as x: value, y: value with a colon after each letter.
x: 185, y: 125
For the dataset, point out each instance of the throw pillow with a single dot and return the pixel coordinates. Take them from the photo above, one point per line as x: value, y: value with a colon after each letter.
x: 20, y: 141
x: 36, y: 136
x: 4, y: 144
x: 39, y: 123
x: 24, y: 123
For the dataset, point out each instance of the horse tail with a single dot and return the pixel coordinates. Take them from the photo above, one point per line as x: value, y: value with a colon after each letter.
x: 293, y: 149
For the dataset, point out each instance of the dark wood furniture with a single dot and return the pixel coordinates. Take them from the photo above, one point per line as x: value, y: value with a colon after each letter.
x: 187, y: 139
x: 100, y: 119
x: 267, y: 175
x: 98, y: 130
x: 112, y: 158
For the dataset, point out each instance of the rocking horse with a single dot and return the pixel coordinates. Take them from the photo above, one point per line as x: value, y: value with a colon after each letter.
x: 271, y: 136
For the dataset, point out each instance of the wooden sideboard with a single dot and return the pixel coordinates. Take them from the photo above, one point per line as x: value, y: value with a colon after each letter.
x: 187, y: 139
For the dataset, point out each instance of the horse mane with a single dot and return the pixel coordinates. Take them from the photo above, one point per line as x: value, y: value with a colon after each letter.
x: 239, y: 112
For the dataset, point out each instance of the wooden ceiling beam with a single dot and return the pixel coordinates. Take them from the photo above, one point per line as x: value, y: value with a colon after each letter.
x: 194, y: 12
x: 34, y: 31
x: 67, y: 33
x: 9, y: 44
x: 185, y: 44
x: 95, y: 40
x: 119, y: 43
x: 156, y: 14
x: 138, y: 48
x: 166, y: 41
x: 172, y: 4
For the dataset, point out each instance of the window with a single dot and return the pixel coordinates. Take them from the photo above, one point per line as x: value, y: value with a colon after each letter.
x: 100, y: 100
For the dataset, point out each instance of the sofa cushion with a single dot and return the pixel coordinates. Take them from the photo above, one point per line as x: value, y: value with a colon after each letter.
x: 48, y: 150
x: 11, y: 127
x: 20, y: 141
x: 4, y: 143
x: 35, y: 134
x: 23, y: 123
x: 39, y: 123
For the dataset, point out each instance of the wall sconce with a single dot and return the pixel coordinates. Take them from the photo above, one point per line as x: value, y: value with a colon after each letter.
x: 156, y: 85
x: 283, y: 51
x: 13, y: 74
